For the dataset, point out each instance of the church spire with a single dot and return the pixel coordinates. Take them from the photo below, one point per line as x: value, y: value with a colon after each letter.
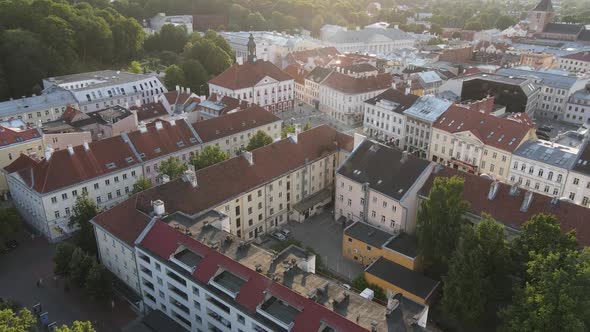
x: 251, y: 49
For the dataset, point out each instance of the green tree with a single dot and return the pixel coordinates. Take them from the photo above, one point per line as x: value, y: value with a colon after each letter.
x: 195, y: 74
x: 456, y: 35
x: 259, y: 139
x: 257, y: 22
x: 128, y: 37
x: 440, y: 221
x: 170, y: 38
x: 142, y: 184
x: 135, y: 67
x: 10, y: 224
x: 80, y: 264
x: 219, y: 42
x: 503, y: 22
x: 473, y: 24
x: 99, y: 284
x: 477, y: 280
x: 287, y: 129
x: 540, y: 235
x: 213, y: 58
x: 63, y: 257
x: 84, y: 210
x: 174, y: 76
x: 17, y: 322
x: 21, y: 52
x: 77, y: 327
x: 556, y: 296
x: 172, y: 167
x: 436, y: 29
x: 211, y: 155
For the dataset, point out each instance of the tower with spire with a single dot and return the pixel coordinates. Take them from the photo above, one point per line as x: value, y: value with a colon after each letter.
x: 251, y: 49
x: 540, y: 16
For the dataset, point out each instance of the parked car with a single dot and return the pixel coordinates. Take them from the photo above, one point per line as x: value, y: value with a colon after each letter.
x: 346, y: 286
x: 286, y: 233
x: 546, y: 128
x: 542, y: 135
x: 279, y: 236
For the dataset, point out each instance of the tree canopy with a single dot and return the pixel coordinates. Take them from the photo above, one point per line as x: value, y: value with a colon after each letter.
x: 440, y: 220
x: 142, y: 184
x: 10, y: 223
x: 172, y: 167
x: 17, y: 322
x: 210, y: 155
x: 259, y: 139
x: 84, y: 210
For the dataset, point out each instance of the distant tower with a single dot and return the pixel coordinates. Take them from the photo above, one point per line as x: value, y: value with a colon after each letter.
x: 251, y: 49
x: 541, y: 15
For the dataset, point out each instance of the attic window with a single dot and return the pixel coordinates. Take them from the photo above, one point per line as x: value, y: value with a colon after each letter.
x: 111, y: 165
x: 142, y: 155
x: 379, y: 182
x: 180, y: 144
x: 157, y: 150
x: 129, y: 159
x: 193, y: 140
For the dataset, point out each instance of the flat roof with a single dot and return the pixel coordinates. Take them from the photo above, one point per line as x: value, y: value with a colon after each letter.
x: 36, y: 103
x: 280, y: 310
x: 368, y: 234
x: 188, y: 258
x: 229, y: 281
x: 100, y: 78
x: 548, y: 153
x: 406, y: 279
x: 405, y: 244
x: 311, y: 201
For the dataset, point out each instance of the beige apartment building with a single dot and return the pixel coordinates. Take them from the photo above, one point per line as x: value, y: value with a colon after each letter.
x: 14, y: 142
x: 378, y: 185
x: 478, y: 142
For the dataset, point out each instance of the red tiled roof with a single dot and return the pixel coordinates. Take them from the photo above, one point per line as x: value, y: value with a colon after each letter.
x: 360, y: 68
x: 249, y: 74
x: 163, y: 240
x: 352, y: 85
x: 70, y: 114
x: 506, y: 208
x: 297, y: 72
x: 177, y: 97
x: 485, y: 105
x: 580, y: 56
x: 229, y: 124
x: 505, y: 134
x: 230, y: 178
x: 326, y: 52
x: 149, y: 111
x: 63, y: 170
x: 123, y: 221
x: 156, y: 143
x: 10, y: 136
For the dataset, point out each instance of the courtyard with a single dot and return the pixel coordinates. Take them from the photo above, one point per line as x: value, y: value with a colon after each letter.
x: 21, y: 269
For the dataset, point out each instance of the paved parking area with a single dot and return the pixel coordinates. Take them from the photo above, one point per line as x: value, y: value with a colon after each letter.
x: 308, y: 114
x: 21, y: 268
x: 324, y: 235
x: 558, y: 126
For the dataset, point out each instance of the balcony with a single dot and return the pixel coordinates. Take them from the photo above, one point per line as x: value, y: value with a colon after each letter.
x: 219, y: 319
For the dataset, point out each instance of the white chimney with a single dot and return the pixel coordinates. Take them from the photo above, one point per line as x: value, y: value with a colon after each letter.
x: 188, y: 90
x: 165, y: 178
x: 159, y: 125
x: 142, y: 127
x: 178, y: 88
x: 70, y: 150
x: 293, y: 137
x: 159, y: 208
x: 249, y: 157
x: 48, y: 152
x: 265, y: 57
x: 172, y: 122
x: 240, y: 60
x: 86, y: 146
x: 190, y: 176
x: 405, y: 155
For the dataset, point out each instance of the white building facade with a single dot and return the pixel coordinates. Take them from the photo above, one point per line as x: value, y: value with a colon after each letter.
x: 98, y: 90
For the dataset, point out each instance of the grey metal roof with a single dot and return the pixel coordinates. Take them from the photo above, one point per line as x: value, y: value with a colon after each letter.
x: 366, y: 35
x: 583, y: 94
x: 552, y: 79
x: 428, y: 108
x: 429, y: 77
x: 368, y: 234
x: 525, y: 83
x: 319, y: 74
x: 383, y: 169
x: 56, y: 98
x: 548, y: 153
